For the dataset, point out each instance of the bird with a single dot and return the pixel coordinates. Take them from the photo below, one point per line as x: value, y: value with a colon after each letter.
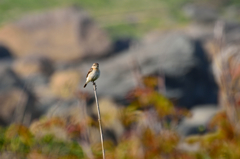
x: 93, y: 74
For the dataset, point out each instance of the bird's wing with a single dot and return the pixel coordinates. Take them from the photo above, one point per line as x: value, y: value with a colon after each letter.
x: 91, y: 69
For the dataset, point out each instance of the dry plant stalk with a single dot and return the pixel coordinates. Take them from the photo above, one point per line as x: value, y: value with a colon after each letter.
x: 224, y: 78
x: 99, y: 118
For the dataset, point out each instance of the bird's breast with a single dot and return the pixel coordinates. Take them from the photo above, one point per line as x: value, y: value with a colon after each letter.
x: 94, y: 75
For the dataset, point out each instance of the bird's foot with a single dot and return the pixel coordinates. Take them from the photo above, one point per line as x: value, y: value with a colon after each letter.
x: 95, y: 86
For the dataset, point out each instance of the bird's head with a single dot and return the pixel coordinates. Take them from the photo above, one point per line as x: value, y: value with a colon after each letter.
x: 95, y: 65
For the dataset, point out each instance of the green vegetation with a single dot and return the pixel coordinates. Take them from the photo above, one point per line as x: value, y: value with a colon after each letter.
x: 120, y: 18
x: 21, y: 143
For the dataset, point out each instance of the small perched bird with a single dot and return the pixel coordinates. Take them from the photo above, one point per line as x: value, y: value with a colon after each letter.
x: 92, y: 74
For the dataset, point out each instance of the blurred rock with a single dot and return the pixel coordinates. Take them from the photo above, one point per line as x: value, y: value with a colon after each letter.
x: 207, y: 33
x: 232, y: 32
x: 15, y: 96
x: 64, y: 83
x: 5, y: 52
x: 36, y: 94
x: 6, y: 80
x: 31, y: 65
x: 183, y: 61
x: 201, y: 116
x: 121, y: 44
x: 201, y: 13
x: 11, y: 100
x: 9, y: 79
x: 61, y: 35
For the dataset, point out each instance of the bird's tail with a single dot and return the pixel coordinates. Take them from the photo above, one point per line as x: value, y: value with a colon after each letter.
x: 85, y: 85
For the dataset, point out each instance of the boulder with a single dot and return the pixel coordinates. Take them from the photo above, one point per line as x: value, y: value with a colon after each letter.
x: 16, y: 97
x: 6, y: 79
x: 201, y: 13
x: 32, y: 65
x: 198, y: 123
x: 61, y: 35
x: 5, y: 53
x: 64, y: 83
x: 11, y: 100
x: 181, y: 59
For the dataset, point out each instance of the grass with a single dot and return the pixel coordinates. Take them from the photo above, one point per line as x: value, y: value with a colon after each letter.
x: 118, y: 17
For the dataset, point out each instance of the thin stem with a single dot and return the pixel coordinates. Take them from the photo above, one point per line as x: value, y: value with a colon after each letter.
x: 99, y: 118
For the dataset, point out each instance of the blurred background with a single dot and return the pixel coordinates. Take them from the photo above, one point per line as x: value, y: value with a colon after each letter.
x: 168, y: 86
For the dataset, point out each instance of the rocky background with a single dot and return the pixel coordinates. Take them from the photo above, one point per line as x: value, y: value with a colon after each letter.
x: 45, y: 57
